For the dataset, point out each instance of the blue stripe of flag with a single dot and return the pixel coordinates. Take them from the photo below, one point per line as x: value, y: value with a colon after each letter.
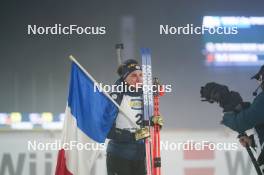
x: 93, y: 111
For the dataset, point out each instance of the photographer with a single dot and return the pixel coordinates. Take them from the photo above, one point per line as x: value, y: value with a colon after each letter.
x: 251, y: 117
x: 241, y: 116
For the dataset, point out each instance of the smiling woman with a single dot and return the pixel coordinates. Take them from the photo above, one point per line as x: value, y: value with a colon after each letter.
x: 58, y: 29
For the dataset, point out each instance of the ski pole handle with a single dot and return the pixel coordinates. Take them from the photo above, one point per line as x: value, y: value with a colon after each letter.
x: 158, y: 89
x: 119, y: 47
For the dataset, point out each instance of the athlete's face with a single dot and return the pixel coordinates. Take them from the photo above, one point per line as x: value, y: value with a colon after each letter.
x: 134, y: 78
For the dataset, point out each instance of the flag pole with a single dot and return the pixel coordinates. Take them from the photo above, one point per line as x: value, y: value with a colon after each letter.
x: 106, y: 94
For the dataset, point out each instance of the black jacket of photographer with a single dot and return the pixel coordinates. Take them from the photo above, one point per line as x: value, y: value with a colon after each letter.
x: 251, y: 117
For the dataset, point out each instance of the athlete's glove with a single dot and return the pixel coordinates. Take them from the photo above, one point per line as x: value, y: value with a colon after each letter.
x: 142, y: 133
x: 157, y: 120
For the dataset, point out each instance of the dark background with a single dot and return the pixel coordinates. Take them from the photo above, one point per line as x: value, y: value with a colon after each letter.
x: 35, y: 69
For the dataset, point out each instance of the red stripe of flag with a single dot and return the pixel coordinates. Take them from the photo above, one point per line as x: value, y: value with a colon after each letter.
x: 61, y: 168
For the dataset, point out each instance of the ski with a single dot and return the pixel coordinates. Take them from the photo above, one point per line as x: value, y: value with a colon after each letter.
x: 154, y: 112
x: 151, y: 109
x: 146, y: 112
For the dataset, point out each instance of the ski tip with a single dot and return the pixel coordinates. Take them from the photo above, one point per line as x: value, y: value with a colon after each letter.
x: 143, y: 51
x: 148, y: 50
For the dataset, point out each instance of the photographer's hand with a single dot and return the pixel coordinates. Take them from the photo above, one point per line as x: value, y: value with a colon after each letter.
x: 245, y: 141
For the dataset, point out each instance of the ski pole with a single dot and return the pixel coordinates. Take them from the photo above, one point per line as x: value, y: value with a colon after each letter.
x: 157, y: 124
x: 253, y: 159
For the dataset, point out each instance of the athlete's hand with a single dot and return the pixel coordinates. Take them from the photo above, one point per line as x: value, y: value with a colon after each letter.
x: 142, y: 133
x: 158, y: 120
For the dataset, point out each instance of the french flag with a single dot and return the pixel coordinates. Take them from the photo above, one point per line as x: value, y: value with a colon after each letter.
x: 89, y: 117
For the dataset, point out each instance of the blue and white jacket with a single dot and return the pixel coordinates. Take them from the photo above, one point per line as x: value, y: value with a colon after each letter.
x: 122, y: 135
